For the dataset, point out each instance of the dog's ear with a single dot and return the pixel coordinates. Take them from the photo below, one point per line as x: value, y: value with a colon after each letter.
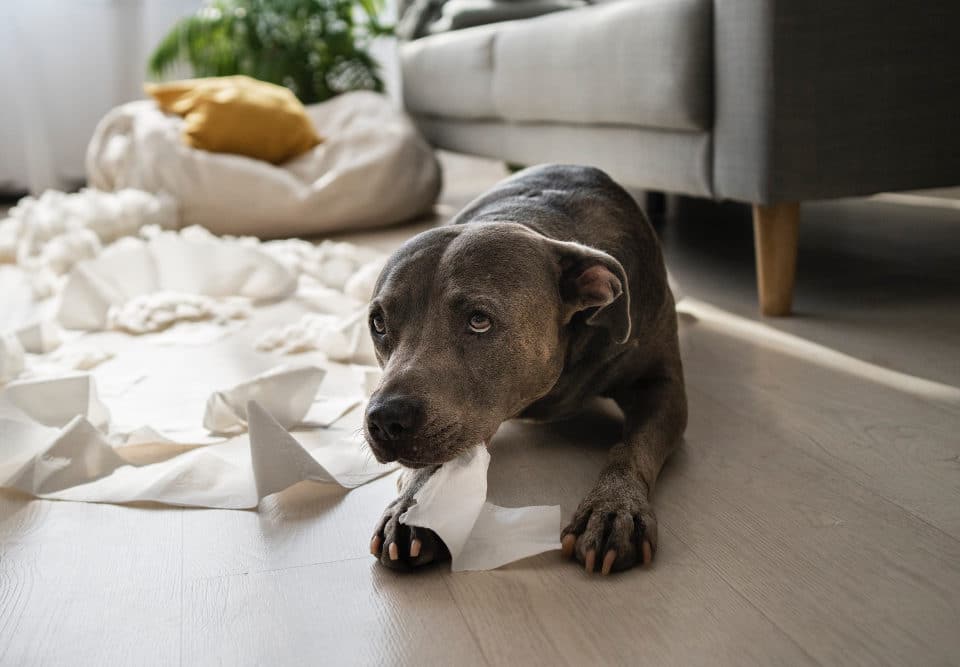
x: 591, y: 278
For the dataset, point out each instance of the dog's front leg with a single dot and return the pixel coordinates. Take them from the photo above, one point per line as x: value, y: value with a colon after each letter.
x: 615, y: 524
x: 397, y: 545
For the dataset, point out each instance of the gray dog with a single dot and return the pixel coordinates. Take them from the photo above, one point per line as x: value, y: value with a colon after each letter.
x: 544, y: 292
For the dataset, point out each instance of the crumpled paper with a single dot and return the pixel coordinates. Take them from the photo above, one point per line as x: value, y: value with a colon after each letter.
x: 37, y: 223
x: 336, y: 264
x: 57, y: 401
x: 156, y: 311
x: 285, y: 393
x: 339, y: 338
x: 57, y: 445
x: 280, y: 460
x: 11, y: 357
x: 169, y: 417
x: 40, y: 337
x: 78, y: 463
x: 46, y: 236
x: 186, y: 262
x: 480, y: 535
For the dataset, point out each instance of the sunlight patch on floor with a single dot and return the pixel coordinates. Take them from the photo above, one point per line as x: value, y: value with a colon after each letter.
x: 767, y: 336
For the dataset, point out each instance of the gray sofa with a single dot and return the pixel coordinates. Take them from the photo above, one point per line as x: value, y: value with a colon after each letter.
x: 770, y: 102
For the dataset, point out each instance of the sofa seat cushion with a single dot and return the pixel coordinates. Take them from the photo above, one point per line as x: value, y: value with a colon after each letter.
x: 637, y: 62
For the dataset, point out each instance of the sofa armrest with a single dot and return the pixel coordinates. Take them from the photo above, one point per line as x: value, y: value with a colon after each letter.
x: 826, y: 99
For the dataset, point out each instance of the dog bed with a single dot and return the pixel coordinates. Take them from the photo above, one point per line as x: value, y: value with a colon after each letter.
x: 372, y: 169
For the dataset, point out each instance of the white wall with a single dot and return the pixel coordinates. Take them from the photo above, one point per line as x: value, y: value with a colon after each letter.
x: 63, y: 64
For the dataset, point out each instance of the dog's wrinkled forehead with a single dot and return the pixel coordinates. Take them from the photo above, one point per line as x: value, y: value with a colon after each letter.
x: 408, y: 272
x: 491, y: 260
x: 496, y: 256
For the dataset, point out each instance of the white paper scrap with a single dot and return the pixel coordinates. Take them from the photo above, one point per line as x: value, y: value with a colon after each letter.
x: 328, y: 410
x: 40, y: 337
x: 11, y: 357
x: 502, y: 535
x: 168, y: 262
x: 281, y: 460
x: 78, y: 463
x: 480, y: 535
x: 57, y: 401
x: 342, y: 339
x: 157, y: 311
x: 286, y: 393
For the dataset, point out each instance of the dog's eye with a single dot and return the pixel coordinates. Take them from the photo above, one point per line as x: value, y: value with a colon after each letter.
x: 480, y: 323
x: 379, y: 326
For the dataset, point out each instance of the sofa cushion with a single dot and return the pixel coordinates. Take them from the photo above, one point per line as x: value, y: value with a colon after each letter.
x: 638, y: 62
x: 450, y: 74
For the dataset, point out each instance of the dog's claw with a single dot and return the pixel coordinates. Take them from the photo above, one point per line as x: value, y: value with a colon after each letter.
x: 612, y: 532
x: 566, y: 545
x: 608, y: 562
x: 401, y: 547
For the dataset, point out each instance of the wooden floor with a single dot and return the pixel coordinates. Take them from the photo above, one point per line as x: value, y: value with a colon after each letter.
x: 811, y: 517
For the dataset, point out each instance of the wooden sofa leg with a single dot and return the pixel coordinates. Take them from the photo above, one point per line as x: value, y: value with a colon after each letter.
x: 775, y: 230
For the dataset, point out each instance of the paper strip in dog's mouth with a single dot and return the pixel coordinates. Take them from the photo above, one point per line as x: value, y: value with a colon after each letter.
x: 480, y: 535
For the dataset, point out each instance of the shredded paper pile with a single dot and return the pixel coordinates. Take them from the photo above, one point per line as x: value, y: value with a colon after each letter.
x: 139, y: 362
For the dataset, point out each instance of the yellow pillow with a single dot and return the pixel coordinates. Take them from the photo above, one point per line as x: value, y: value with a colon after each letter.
x: 237, y: 114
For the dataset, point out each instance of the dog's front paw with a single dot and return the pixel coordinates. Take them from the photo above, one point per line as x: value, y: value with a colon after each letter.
x: 613, y: 526
x: 402, y: 547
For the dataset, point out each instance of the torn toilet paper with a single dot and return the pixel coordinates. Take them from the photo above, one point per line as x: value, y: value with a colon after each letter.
x: 185, y: 263
x: 78, y: 463
x: 479, y: 535
x: 332, y: 263
x: 40, y: 337
x: 11, y: 357
x: 46, y: 236
x: 174, y: 416
x: 343, y: 339
x: 280, y: 460
x: 59, y: 449
x: 58, y: 444
x: 36, y: 221
x: 156, y: 311
x: 57, y: 401
x: 285, y: 393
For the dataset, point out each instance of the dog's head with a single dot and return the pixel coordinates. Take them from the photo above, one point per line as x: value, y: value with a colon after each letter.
x: 470, y: 324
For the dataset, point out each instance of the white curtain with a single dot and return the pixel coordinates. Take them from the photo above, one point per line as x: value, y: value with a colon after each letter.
x: 63, y: 64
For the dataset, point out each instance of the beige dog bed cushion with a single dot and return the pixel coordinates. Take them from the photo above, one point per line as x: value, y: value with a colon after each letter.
x: 372, y: 169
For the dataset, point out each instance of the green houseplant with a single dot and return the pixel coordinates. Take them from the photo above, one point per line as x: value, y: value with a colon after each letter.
x: 317, y: 48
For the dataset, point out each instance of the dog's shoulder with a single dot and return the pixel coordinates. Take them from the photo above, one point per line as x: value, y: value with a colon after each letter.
x: 563, y: 202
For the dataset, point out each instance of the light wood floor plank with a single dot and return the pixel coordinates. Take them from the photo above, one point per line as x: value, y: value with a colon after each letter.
x: 905, y: 448
x: 84, y: 584
x: 548, y: 612
x: 347, y: 613
x: 847, y: 574
x: 307, y: 524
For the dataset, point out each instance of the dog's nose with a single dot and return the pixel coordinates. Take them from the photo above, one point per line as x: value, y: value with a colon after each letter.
x: 393, y: 418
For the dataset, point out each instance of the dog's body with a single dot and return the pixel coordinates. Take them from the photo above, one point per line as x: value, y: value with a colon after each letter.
x: 548, y: 290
